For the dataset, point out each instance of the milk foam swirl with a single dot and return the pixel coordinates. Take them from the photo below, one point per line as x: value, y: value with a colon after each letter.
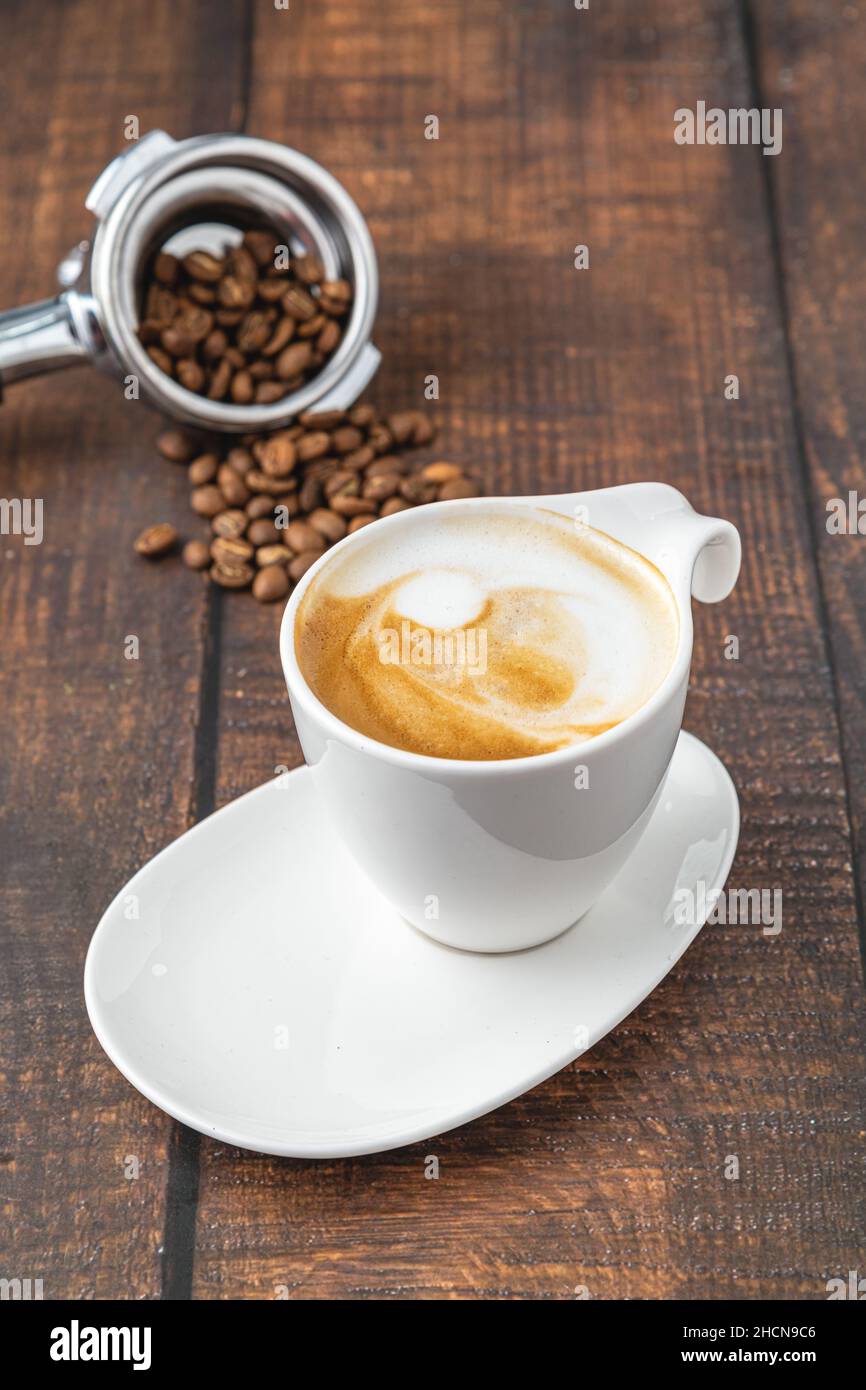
x: 482, y: 637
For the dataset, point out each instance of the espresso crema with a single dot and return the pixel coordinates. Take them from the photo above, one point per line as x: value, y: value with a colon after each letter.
x: 491, y: 635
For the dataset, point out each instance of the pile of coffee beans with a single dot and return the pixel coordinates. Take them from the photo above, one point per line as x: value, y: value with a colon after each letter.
x: 247, y: 327
x: 274, y: 503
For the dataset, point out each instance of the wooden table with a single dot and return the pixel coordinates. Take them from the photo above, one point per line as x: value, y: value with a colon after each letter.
x: 555, y: 130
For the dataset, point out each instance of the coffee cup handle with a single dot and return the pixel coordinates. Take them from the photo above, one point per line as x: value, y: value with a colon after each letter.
x: 716, y: 557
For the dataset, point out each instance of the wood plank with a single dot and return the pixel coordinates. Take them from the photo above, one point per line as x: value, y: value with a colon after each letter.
x: 803, y: 57
x: 98, y: 763
x: 556, y: 128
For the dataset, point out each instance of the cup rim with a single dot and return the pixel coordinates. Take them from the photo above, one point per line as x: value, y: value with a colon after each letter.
x: 300, y: 691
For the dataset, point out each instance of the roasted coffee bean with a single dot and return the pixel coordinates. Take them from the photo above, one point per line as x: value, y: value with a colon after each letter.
x: 346, y: 439
x: 254, y: 332
x: 162, y: 359
x: 235, y: 293
x: 311, y: 328
x: 308, y: 269
x: 274, y: 554
x: 178, y: 343
x: 259, y: 506
x: 232, y: 486
x: 260, y: 370
x: 402, y: 426
x: 242, y: 388
x: 271, y: 289
x: 300, y: 536
x: 230, y: 524
x: 440, y: 472
x: 190, y: 374
x: 342, y: 485
x: 334, y: 308
x: 220, y: 381
x: 386, y: 463
x: 238, y: 577
x: 196, y: 322
x: 207, y: 501
x: 229, y: 318
x: 381, y: 439
x: 362, y: 415
x: 311, y: 494
x: 160, y: 305
x: 214, y: 345
x: 322, y: 419
x: 293, y: 360
x: 203, y: 469
x: 415, y: 490
x: 280, y: 338
x: 328, y: 338
x: 202, y: 294
x: 338, y: 290
x: 301, y: 563
x: 345, y: 505
x: 270, y: 584
x: 459, y: 487
x: 176, y: 446
x: 359, y: 458
x: 166, y: 268
x: 201, y: 265
x: 257, y: 481
x: 381, y: 487
x: 240, y: 459
x: 149, y: 331
x: 358, y: 521
x: 269, y: 391
x: 263, y: 532
x: 230, y: 550
x: 313, y: 445
x: 263, y: 246
x: 277, y: 456
x: 156, y: 540
x: 196, y: 555
x: 298, y: 304
x: 244, y: 264
x: 329, y: 526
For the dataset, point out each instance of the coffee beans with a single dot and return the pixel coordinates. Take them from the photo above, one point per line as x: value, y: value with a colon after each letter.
x: 249, y: 326
x: 196, y: 555
x: 157, y: 540
x: 275, y: 503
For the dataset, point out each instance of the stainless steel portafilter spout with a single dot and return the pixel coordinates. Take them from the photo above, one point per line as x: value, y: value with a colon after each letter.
x: 189, y: 193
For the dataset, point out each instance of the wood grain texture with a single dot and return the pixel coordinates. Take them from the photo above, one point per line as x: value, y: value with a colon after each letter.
x: 556, y: 128
x: 802, y: 55
x: 97, y: 765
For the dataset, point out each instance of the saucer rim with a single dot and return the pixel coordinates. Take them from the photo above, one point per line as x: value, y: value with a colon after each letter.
x: 420, y: 1130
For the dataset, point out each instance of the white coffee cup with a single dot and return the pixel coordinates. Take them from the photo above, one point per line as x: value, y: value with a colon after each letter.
x: 498, y: 856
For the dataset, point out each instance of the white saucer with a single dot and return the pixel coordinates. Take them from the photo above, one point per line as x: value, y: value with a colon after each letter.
x: 266, y: 996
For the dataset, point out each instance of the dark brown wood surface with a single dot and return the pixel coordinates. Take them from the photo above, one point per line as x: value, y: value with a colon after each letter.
x: 556, y: 128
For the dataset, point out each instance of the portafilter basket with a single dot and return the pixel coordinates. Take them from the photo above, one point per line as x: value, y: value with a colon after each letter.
x: 203, y: 192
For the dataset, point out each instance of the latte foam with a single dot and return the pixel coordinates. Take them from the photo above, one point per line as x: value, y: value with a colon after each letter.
x: 485, y: 636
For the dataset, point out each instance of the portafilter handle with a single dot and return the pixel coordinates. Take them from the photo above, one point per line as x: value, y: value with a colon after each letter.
x: 40, y: 337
